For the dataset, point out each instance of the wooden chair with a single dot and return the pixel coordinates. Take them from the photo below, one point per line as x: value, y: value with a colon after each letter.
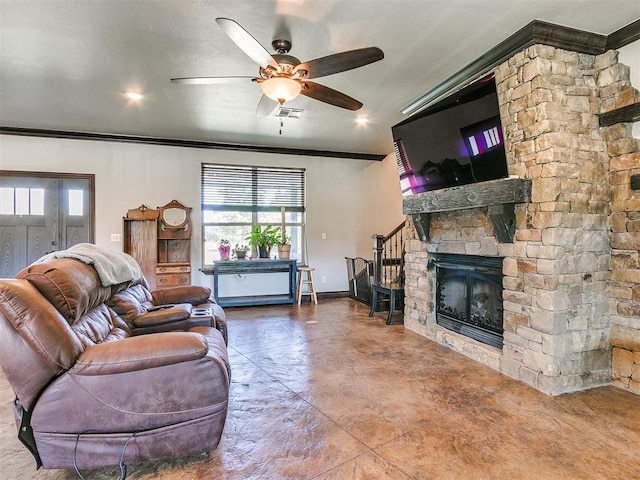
x: 389, y: 289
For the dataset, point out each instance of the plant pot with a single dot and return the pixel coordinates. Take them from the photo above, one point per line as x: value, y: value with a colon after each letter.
x: 263, y: 252
x: 241, y: 254
x: 284, y: 251
x: 224, y: 251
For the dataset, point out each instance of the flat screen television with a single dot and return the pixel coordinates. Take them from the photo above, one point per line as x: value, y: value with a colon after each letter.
x: 457, y: 141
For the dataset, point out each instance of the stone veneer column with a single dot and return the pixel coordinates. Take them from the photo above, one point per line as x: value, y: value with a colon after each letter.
x: 556, y: 315
x: 624, y: 289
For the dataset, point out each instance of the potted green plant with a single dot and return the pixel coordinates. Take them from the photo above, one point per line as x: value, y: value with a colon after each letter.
x: 224, y: 248
x: 284, y: 248
x: 240, y: 251
x: 263, y: 239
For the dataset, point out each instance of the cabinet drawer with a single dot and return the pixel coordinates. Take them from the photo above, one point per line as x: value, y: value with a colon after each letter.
x: 160, y: 269
x: 173, y: 279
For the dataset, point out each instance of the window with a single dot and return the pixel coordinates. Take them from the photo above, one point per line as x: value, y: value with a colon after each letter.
x: 21, y: 201
x: 236, y: 198
x: 75, y: 202
x: 30, y: 201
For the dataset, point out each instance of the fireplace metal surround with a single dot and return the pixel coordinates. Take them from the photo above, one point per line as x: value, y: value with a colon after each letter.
x: 469, y: 296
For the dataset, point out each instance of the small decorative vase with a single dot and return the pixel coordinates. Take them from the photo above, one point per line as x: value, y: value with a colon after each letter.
x: 224, y: 250
x: 284, y: 251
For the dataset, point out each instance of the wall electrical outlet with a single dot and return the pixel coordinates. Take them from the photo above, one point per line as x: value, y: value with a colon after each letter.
x: 116, y: 237
x: 323, y: 280
x: 324, y: 236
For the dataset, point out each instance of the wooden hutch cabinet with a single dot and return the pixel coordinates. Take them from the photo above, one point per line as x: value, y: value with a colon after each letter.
x: 160, y: 240
x: 174, y: 245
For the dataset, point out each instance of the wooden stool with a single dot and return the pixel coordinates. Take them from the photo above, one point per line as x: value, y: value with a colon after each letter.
x: 308, y: 281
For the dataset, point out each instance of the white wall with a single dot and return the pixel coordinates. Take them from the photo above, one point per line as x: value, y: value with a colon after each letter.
x: 349, y: 200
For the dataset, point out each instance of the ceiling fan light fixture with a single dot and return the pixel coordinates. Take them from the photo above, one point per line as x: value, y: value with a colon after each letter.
x: 281, y: 89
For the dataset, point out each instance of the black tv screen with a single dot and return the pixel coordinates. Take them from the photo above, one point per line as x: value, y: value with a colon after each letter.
x: 458, y: 141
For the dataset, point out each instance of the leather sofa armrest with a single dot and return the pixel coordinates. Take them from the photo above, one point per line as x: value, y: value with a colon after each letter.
x: 163, y: 316
x: 139, y: 353
x: 193, y: 294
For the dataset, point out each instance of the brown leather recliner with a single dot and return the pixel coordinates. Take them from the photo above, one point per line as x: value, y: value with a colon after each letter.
x: 88, y: 391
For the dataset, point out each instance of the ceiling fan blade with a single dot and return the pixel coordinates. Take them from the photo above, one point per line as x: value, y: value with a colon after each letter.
x: 246, y: 42
x: 329, y: 95
x: 340, y: 62
x: 210, y: 80
x: 266, y: 107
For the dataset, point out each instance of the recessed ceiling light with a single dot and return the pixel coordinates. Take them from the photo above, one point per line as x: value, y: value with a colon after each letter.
x: 134, y: 95
x: 362, y: 120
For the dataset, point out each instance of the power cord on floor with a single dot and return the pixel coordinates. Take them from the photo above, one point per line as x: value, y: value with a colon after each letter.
x: 123, y: 466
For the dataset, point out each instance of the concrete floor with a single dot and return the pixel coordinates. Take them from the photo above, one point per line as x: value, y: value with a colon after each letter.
x: 351, y: 398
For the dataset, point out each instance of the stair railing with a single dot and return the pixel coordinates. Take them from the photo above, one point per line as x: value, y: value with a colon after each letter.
x: 388, y: 256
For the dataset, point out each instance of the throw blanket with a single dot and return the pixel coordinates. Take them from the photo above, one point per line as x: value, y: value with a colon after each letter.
x: 113, y: 267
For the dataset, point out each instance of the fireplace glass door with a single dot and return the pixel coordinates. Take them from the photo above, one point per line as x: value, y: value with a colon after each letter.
x: 469, y: 297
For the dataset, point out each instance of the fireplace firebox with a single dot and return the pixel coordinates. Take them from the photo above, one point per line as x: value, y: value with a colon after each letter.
x: 469, y: 296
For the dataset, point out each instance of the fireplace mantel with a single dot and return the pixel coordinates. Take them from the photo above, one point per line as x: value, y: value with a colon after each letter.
x: 499, y: 195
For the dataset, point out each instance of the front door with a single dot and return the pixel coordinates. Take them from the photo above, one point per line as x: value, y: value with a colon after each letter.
x: 41, y: 213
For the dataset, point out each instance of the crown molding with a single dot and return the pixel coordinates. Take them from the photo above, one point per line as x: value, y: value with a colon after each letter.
x: 624, y: 36
x: 536, y: 32
x: 173, y: 142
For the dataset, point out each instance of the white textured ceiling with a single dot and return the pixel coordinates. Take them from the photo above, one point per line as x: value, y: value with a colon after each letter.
x: 64, y: 64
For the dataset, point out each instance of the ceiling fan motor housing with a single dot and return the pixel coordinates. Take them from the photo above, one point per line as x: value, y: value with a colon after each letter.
x: 281, y: 45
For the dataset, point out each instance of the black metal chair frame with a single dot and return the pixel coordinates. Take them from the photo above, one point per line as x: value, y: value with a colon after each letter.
x: 389, y: 289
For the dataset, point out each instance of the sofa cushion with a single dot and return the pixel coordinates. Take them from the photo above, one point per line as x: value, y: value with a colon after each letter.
x: 160, y: 316
x: 140, y: 353
x: 193, y: 294
x: 73, y: 287
x: 131, y: 303
x: 100, y: 325
x: 36, y: 339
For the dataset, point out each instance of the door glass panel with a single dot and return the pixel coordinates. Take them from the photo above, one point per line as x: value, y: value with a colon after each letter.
x: 7, y: 205
x: 37, y: 201
x: 22, y: 201
x: 76, y: 202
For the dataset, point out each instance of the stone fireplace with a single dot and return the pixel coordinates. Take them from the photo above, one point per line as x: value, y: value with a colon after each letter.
x: 568, y: 281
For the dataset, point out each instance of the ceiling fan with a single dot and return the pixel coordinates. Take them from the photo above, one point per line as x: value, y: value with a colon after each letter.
x: 283, y: 77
